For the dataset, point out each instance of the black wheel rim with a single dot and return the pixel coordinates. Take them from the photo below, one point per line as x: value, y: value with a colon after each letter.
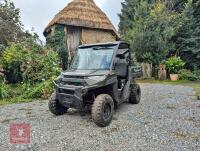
x: 107, y: 111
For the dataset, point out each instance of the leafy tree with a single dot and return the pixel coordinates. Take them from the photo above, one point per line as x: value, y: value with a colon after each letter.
x: 150, y: 31
x: 130, y: 13
x: 127, y: 15
x: 10, y: 24
x: 187, y: 39
x: 176, y: 5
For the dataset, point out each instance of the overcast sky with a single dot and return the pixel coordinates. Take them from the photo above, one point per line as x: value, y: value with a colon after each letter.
x: 38, y: 13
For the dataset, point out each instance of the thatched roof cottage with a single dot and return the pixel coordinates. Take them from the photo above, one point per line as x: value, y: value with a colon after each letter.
x: 84, y: 23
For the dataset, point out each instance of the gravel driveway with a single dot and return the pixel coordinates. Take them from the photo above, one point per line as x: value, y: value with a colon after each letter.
x: 168, y: 118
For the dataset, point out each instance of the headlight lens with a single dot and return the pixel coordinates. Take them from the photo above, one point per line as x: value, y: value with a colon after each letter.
x: 84, y: 91
x: 59, y: 79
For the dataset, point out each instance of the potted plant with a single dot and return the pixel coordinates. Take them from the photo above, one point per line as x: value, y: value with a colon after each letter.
x: 174, y: 65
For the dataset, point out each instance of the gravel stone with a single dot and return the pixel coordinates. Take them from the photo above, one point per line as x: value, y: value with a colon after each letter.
x: 168, y: 118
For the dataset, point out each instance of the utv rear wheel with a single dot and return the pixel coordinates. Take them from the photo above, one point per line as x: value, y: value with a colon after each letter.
x: 135, y: 94
x: 102, y: 110
x: 55, y: 107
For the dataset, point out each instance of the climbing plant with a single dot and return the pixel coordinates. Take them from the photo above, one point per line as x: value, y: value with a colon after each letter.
x: 57, y: 42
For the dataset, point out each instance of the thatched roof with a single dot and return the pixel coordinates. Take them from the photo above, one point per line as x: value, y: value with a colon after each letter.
x: 83, y: 13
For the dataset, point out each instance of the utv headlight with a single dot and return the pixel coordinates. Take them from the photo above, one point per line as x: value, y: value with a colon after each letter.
x: 59, y: 79
x: 84, y: 91
x: 97, y: 78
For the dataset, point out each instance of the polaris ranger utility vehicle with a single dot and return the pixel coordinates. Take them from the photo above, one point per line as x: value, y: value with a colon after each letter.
x: 100, y: 78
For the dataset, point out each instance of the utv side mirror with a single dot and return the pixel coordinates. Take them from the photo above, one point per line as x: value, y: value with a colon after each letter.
x: 121, y: 69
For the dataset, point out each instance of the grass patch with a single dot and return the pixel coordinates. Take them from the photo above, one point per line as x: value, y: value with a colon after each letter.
x: 162, y: 82
x: 25, y: 92
x: 14, y: 100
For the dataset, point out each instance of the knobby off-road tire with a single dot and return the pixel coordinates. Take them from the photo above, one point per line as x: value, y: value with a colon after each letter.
x: 102, y: 110
x: 135, y: 94
x: 55, y: 107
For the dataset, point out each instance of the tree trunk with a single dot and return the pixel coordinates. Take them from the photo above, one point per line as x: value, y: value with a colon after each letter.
x: 147, y: 70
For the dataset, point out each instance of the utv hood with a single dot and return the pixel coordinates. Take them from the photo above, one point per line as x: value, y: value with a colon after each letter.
x: 85, y: 77
x: 85, y: 73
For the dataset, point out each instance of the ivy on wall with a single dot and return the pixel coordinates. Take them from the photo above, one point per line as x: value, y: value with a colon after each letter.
x: 57, y: 42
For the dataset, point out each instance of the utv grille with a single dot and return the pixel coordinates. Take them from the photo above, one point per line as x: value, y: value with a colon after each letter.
x: 65, y: 91
x: 73, y: 83
x: 73, y: 77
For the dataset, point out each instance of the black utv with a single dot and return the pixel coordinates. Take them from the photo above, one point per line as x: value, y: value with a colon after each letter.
x: 100, y: 77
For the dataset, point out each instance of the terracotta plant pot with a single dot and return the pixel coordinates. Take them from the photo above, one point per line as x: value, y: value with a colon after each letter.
x: 174, y: 77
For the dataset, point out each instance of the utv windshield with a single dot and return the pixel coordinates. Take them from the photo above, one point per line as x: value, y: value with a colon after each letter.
x: 93, y: 58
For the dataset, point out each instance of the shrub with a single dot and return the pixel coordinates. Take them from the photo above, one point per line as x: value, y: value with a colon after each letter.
x: 40, y: 67
x: 39, y: 90
x: 6, y: 91
x: 174, y: 65
x: 187, y: 75
x: 12, y: 58
x: 29, y: 62
x: 196, y: 71
x: 2, y: 48
x: 3, y: 91
x: 33, y: 67
x: 30, y: 65
x: 193, y: 77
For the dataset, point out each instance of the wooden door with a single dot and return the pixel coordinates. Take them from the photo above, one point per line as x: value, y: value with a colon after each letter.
x: 73, y: 39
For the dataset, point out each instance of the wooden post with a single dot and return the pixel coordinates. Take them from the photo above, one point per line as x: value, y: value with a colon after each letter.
x: 67, y: 46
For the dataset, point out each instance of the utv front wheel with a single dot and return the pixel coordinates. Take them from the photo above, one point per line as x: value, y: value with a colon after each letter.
x: 55, y: 107
x: 102, y: 110
x: 135, y: 94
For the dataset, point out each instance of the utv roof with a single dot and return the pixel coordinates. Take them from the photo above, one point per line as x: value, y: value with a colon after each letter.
x: 104, y: 44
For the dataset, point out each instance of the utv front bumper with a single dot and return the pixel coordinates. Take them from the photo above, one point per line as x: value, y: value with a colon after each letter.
x: 70, y: 96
